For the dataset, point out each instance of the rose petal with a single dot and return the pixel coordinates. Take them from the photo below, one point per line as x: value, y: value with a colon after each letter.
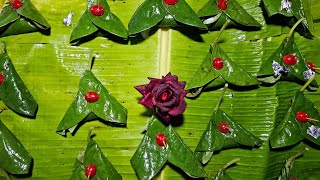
x: 147, y: 101
x: 179, y: 109
x: 164, y: 116
x: 141, y: 88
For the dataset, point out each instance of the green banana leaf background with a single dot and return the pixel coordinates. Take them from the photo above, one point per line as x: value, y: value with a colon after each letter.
x: 50, y: 68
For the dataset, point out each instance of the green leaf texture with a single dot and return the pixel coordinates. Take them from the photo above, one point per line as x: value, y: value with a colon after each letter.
x: 51, y: 68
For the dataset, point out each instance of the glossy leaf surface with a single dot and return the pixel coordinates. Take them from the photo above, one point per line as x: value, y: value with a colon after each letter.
x: 289, y: 131
x: 14, y: 157
x: 13, y: 91
x: 267, y: 74
x: 150, y: 157
x: 107, y: 108
x: 230, y: 73
x: 213, y: 140
x: 234, y: 12
x: 295, y: 10
x: 221, y: 175
x: 89, y: 23
x: 152, y: 12
x: 23, y: 20
x: 93, y: 155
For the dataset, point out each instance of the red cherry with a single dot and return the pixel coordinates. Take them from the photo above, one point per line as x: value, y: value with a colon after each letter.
x: 16, y: 4
x: 1, y: 78
x: 222, y: 4
x: 302, y: 116
x: 311, y: 66
x: 91, y: 96
x: 217, y: 63
x: 91, y: 171
x: 170, y: 2
x: 290, y: 59
x: 97, y: 10
x: 293, y: 178
x: 161, y: 139
x: 224, y: 127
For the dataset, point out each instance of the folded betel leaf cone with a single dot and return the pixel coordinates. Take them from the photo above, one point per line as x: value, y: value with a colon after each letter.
x: 23, y: 19
x: 162, y: 144
x: 286, y: 63
x: 223, y: 132
x: 92, y: 164
x: 227, y: 70
x: 93, y: 101
x: 291, y: 130
x: 215, y: 17
x: 14, y: 157
x: 13, y: 91
x: 157, y: 12
x: 103, y: 21
x: 296, y: 9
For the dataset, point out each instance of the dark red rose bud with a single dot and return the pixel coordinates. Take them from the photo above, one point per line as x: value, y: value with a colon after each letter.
x: 91, y: 96
x: 16, y: 4
x: 224, y: 127
x: 97, y: 10
x: 170, y: 2
x: 90, y: 171
x: 166, y: 95
x: 222, y: 4
x: 290, y: 59
x: 161, y: 139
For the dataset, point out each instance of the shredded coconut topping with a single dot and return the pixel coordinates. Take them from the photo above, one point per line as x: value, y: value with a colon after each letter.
x: 286, y: 4
x: 308, y: 74
x: 314, y: 131
x: 68, y: 20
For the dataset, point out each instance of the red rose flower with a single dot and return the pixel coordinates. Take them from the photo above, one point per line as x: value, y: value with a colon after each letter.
x: 166, y: 95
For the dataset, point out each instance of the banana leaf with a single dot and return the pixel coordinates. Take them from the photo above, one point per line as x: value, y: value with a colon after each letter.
x: 151, y: 157
x: 274, y: 68
x: 294, y: 10
x: 89, y: 23
x: 13, y: 91
x: 152, y: 12
x: 215, y: 18
x: 106, y: 108
x: 22, y: 20
x: 289, y: 131
x: 51, y: 68
x: 92, y: 154
x: 15, y: 159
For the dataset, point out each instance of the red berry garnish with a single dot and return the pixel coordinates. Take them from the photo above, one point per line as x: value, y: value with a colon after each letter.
x: 222, y: 4
x: 217, y: 63
x: 91, y: 171
x: 16, y: 4
x: 91, y: 96
x: 290, y: 59
x: 1, y: 78
x: 170, y: 2
x: 97, y: 10
x: 311, y: 66
x: 302, y: 116
x: 293, y: 178
x: 224, y: 127
x: 161, y: 139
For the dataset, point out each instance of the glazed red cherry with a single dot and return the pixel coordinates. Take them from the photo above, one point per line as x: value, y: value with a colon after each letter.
x: 91, y: 96
x: 170, y: 2
x: 217, y: 63
x: 222, y: 4
x: 1, y: 78
x: 293, y: 178
x: 97, y: 10
x: 302, y: 116
x: 224, y: 127
x: 16, y: 4
x: 91, y: 171
x: 311, y: 66
x: 290, y: 59
x: 161, y: 139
